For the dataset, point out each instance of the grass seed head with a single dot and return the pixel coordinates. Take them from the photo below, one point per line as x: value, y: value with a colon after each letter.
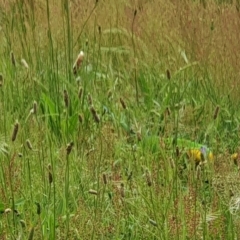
x: 167, y: 112
x: 99, y: 30
x: 69, y: 148
x: 34, y: 107
x: 30, y: 237
x: 94, y: 114
x: 29, y: 144
x: 177, y: 152
x: 38, y: 208
x: 78, y: 62
x: 216, y: 113
x: 123, y: 103
x: 93, y: 192
x: 109, y: 94
x: 80, y: 118
x: 24, y: 63
x: 148, y: 178
x: 7, y: 210
x: 135, y: 12
x: 90, y: 102
x: 104, y: 178
x: 13, y: 60
x: 15, y: 131
x: 153, y: 222
x: 122, y: 191
x: 50, y: 176
x: 80, y: 90
x: 1, y: 80
x: 168, y: 74
x: 66, y: 98
x: 23, y: 223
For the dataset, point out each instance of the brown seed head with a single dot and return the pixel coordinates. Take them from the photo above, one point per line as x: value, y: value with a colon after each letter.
x: 109, y: 94
x: 50, y: 176
x: 38, y: 208
x: 122, y: 192
x: 135, y: 12
x: 177, y: 152
x: 66, y: 98
x: 15, y: 131
x: 123, y: 103
x: 104, y: 178
x: 69, y: 148
x: 216, y: 112
x: 30, y: 237
x: 168, y: 74
x: 29, y: 144
x: 13, y: 60
x: 80, y: 118
x: 148, y: 178
x: 80, y: 92
x: 78, y: 62
x: 34, y: 107
x: 1, y: 80
x: 95, y: 115
x: 90, y: 99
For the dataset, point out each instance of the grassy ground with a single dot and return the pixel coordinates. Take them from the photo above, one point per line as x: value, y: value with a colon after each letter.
x: 84, y: 155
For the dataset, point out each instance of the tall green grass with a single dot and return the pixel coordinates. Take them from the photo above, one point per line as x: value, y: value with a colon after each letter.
x: 88, y: 158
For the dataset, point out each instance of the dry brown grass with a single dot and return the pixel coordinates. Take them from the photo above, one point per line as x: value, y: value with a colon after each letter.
x: 208, y: 35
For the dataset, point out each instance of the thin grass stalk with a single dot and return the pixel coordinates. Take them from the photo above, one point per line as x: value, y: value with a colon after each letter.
x: 134, y: 56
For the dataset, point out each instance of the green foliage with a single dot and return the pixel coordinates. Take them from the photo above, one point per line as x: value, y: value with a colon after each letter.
x: 103, y: 152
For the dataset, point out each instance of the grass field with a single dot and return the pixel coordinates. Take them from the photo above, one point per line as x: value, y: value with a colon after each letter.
x: 101, y: 103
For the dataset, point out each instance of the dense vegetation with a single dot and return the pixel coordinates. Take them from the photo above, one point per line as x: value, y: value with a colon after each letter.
x: 95, y: 99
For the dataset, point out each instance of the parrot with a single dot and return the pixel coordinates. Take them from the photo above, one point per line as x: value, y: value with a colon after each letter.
x: 195, y: 151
